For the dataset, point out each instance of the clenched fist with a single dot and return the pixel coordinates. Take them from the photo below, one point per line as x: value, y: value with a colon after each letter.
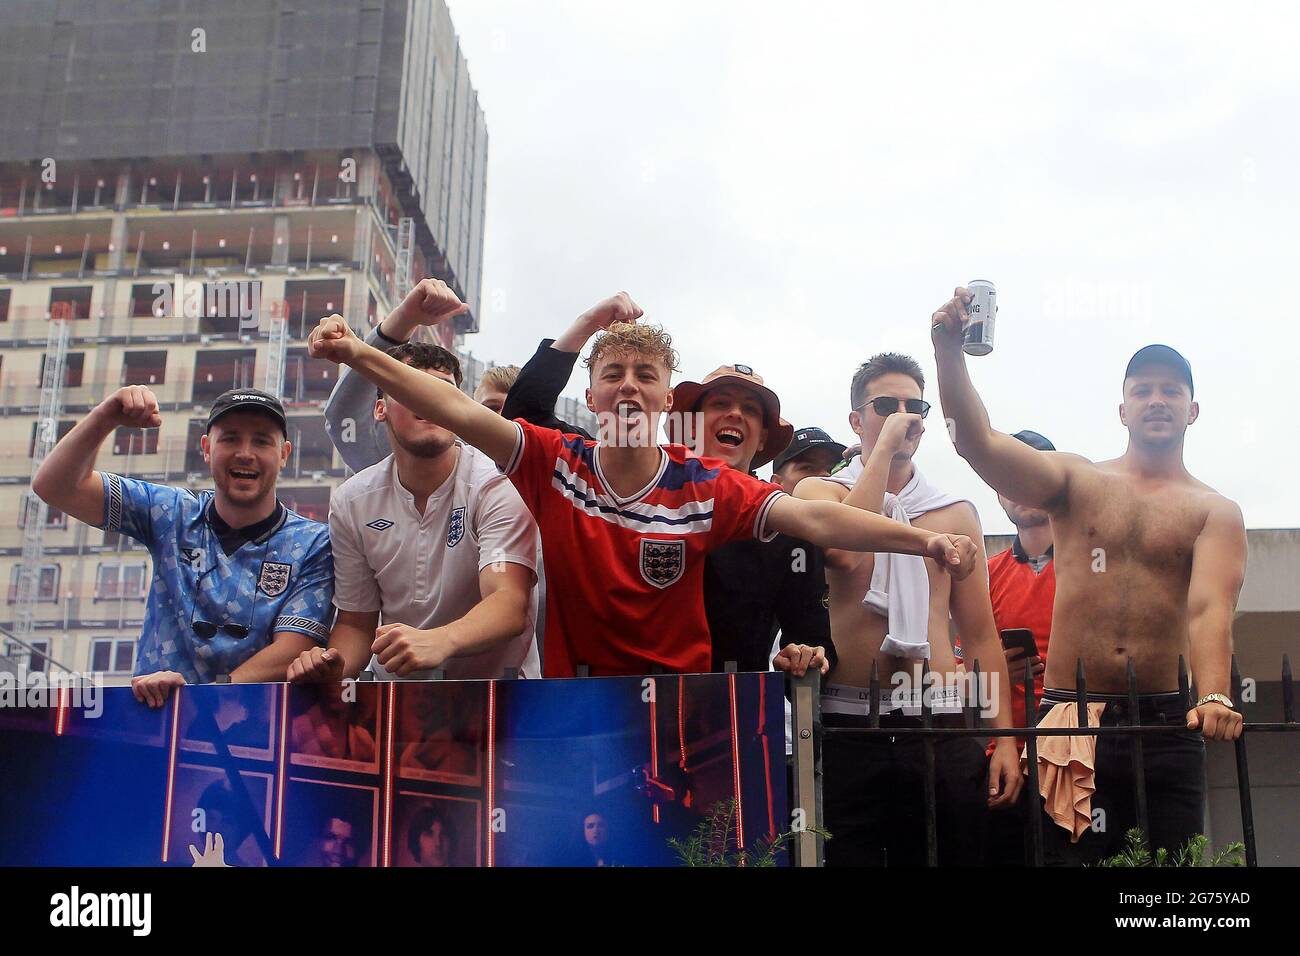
x: 403, y: 649
x: 949, y: 320
x: 899, y: 429
x: 430, y: 302
x: 133, y: 406
x: 333, y: 341
x: 617, y: 308
x: 955, y: 553
x: 316, y: 665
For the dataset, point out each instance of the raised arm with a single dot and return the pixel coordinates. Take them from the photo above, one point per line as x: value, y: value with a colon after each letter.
x: 350, y: 411
x: 67, y: 479
x: 868, y: 493
x: 430, y: 398
x: 830, y: 524
x: 543, y: 377
x: 1036, y: 479
x: 1218, y: 569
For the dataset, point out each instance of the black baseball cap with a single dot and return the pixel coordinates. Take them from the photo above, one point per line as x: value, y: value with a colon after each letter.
x: 248, y: 400
x: 1034, y: 440
x: 1160, y: 355
x: 805, y: 439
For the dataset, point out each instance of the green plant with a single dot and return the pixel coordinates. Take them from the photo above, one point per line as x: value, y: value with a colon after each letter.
x: 712, y: 843
x: 1195, y: 852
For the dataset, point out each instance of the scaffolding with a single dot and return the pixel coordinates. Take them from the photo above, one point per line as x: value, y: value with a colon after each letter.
x: 36, y: 511
x: 402, y: 278
x: 278, y: 334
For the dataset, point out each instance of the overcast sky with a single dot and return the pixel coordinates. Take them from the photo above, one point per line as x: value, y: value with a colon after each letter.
x: 796, y: 187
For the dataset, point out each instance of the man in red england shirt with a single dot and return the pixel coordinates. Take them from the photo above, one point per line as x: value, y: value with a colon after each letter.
x: 1022, y: 585
x: 625, y: 522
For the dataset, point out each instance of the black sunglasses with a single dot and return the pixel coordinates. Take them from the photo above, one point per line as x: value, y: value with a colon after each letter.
x: 206, y: 630
x: 885, y: 406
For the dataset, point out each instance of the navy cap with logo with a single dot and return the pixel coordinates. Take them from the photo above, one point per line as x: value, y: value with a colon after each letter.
x: 1034, y: 440
x: 804, y: 440
x: 248, y: 400
x: 1160, y: 355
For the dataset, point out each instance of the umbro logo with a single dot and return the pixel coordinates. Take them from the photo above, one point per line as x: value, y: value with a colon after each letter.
x: 380, y: 524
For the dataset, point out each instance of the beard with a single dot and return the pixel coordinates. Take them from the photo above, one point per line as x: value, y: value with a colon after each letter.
x: 430, y: 447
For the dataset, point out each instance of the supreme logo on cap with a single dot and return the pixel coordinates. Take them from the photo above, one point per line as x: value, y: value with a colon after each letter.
x: 743, y: 369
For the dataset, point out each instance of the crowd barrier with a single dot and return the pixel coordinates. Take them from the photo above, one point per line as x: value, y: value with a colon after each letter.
x: 626, y: 771
x: 584, y: 772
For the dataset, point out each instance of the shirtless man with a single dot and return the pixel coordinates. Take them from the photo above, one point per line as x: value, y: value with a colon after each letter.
x: 1149, y: 563
x: 873, y: 791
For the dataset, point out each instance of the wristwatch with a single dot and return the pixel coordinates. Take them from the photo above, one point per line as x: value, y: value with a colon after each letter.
x: 1216, y: 698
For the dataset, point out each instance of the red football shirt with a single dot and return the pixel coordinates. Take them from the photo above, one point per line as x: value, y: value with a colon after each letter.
x: 625, y: 576
x: 1022, y: 598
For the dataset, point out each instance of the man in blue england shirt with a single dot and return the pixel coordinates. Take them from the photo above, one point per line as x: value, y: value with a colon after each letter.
x: 241, y: 585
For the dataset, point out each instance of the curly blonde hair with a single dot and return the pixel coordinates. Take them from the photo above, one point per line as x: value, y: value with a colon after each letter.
x: 643, y: 339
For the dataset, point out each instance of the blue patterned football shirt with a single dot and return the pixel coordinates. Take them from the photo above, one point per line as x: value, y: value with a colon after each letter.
x: 282, y: 580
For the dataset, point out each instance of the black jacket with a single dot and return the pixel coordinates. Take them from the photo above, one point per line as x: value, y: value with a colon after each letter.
x: 537, y: 388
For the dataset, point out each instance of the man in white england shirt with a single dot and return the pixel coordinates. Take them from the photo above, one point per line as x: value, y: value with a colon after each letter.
x: 435, y: 541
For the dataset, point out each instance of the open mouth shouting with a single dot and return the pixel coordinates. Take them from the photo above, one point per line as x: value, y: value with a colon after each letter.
x: 731, y: 437
x: 244, y: 474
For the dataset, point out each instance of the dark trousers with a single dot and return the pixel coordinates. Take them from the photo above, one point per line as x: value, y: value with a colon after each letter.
x: 1005, y: 841
x: 1175, y: 784
x: 873, y: 796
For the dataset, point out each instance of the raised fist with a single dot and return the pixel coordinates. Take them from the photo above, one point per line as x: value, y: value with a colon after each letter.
x: 333, y: 341
x: 898, y: 430
x: 134, y: 406
x: 430, y: 302
x: 617, y: 308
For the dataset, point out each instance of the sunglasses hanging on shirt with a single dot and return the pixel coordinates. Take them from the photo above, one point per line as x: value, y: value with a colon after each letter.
x: 206, y: 630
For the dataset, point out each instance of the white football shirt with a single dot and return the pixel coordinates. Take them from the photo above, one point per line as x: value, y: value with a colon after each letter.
x: 422, y: 569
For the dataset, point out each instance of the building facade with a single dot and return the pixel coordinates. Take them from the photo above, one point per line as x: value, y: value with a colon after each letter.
x: 189, y: 187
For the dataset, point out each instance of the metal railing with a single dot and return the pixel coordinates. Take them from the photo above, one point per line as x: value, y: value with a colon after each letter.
x: 805, y: 698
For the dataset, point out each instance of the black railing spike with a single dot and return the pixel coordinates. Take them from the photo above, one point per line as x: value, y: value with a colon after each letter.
x: 1139, y: 756
x: 925, y: 695
x: 1033, y: 815
x: 931, y: 795
x: 1184, y: 685
x: 1030, y: 703
x: 975, y: 689
x: 1288, y: 691
x: 873, y: 692
x: 1081, y: 691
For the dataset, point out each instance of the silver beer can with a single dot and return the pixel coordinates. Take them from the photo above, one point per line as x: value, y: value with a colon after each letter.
x: 977, y: 337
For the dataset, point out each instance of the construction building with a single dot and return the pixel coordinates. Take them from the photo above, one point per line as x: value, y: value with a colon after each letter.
x: 185, y: 189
